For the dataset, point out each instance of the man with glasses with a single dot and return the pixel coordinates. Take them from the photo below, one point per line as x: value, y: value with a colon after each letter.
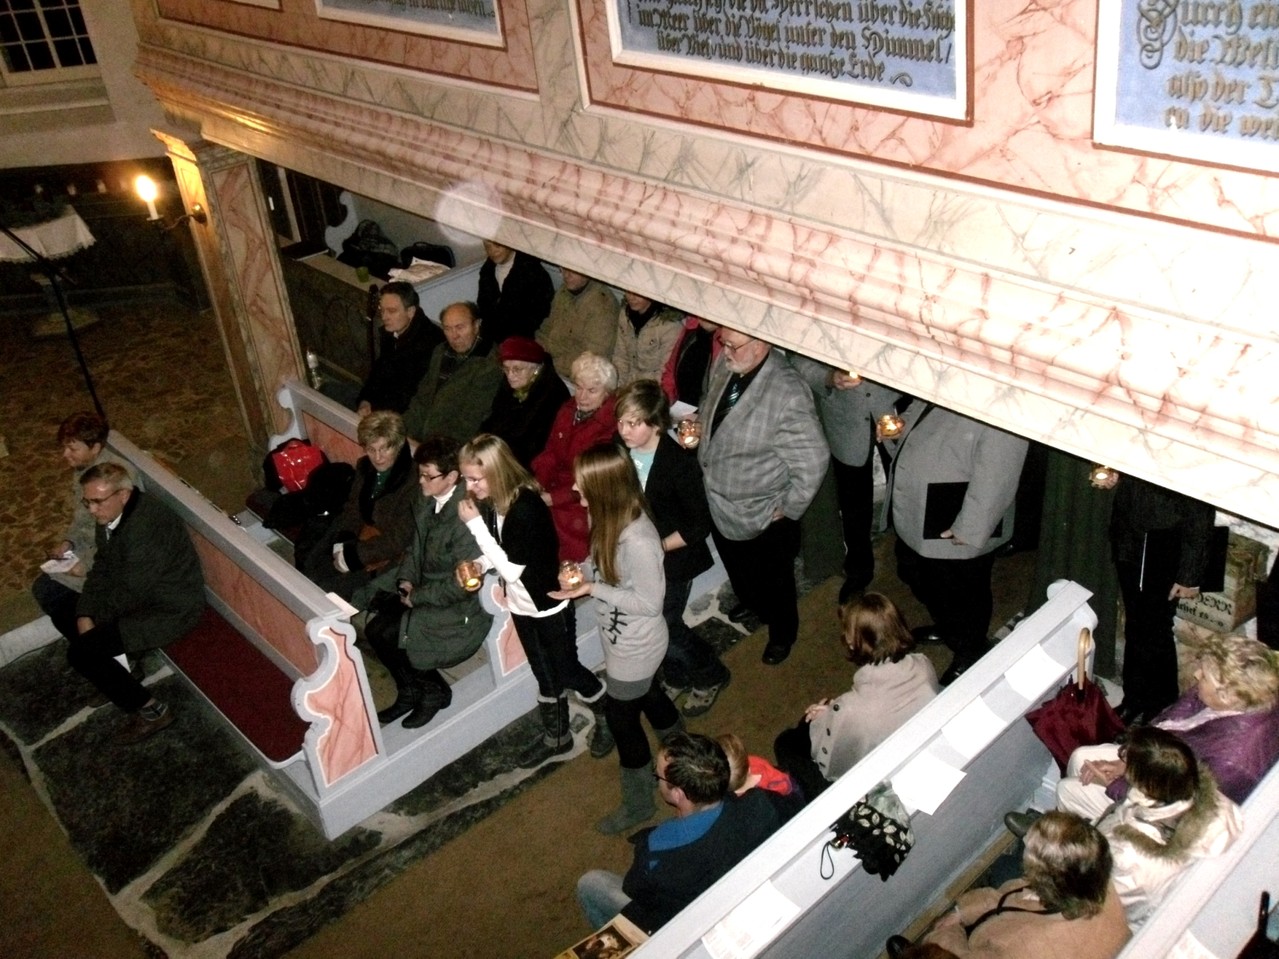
x: 83, y: 439
x: 678, y: 860
x: 144, y: 591
x: 764, y: 456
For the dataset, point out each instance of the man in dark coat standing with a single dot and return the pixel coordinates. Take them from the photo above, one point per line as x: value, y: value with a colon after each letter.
x: 514, y: 294
x: 144, y: 591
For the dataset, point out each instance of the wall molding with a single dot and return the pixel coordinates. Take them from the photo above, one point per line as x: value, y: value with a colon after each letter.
x: 1162, y: 382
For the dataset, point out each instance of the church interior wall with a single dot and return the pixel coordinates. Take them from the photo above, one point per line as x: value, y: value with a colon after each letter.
x: 1111, y: 303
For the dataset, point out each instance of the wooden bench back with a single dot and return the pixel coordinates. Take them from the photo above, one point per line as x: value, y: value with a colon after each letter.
x: 286, y: 617
x: 970, y: 748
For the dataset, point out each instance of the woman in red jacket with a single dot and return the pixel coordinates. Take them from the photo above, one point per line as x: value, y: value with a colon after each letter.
x: 584, y: 421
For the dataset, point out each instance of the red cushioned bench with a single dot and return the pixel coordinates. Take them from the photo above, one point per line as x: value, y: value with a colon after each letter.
x: 242, y: 684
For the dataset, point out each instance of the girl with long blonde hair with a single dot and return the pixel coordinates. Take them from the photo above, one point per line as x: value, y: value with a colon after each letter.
x: 505, y: 513
x: 628, y: 591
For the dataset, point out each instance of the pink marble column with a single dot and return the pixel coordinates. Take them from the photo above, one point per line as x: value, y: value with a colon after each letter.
x: 242, y: 272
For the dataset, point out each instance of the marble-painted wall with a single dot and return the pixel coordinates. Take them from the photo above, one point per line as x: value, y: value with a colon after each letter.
x: 1115, y: 306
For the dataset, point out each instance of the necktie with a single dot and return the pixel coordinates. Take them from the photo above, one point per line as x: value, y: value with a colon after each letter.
x: 732, y: 393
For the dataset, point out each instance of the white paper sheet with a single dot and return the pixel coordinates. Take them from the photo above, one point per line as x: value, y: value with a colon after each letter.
x: 752, y: 925
x: 924, y: 783
x: 1033, y: 674
x: 973, y: 729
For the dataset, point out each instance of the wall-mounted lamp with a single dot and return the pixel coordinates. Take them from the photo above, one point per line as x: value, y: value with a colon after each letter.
x: 147, y: 191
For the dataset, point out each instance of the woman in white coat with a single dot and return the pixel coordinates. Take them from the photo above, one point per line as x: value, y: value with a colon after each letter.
x: 891, y: 684
x: 1172, y: 816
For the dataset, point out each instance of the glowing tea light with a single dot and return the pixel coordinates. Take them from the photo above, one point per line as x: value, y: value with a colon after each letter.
x: 1102, y: 477
x: 890, y: 425
x: 469, y: 575
x: 570, y: 575
x: 689, y: 432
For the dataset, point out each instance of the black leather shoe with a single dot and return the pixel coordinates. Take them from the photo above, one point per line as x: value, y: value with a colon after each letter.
x: 435, y: 695
x: 1132, y: 714
x: 927, y: 635
x: 739, y: 613
x: 1019, y: 823
x: 958, y: 666
x: 402, y: 706
x: 775, y: 654
x: 896, y: 945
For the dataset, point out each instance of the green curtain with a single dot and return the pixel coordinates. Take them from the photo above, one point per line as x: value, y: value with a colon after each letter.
x: 1074, y: 543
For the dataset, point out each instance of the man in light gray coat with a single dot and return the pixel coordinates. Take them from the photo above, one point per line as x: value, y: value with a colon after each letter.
x: 848, y: 406
x: 952, y: 491
x: 763, y: 456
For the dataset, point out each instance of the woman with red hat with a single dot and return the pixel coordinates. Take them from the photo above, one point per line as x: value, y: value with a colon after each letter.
x: 527, y: 400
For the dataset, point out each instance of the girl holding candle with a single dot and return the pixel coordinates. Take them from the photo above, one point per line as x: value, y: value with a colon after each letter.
x: 629, y: 590
x: 505, y: 513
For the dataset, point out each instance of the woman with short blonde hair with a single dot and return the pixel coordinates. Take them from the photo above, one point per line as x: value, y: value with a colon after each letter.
x: 1229, y: 719
x: 583, y: 421
x: 1064, y: 907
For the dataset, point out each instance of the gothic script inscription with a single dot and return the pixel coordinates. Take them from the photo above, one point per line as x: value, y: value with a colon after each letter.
x: 1197, y: 79
x: 905, y: 54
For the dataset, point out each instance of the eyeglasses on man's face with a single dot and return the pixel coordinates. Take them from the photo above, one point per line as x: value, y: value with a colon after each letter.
x: 88, y: 502
x: 733, y: 348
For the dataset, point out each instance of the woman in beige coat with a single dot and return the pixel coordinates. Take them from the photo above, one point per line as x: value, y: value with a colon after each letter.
x: 1063, y: 908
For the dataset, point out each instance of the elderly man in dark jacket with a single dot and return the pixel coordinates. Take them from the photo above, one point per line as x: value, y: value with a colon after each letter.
x: 461, y: 381
x: 144, y: 591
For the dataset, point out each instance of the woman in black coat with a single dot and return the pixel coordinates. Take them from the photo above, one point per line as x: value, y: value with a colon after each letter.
x: 673, y: 486
x: 527, y: 400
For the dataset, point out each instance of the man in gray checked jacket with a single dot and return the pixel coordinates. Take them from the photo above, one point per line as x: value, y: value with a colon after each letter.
x: 764, y: 456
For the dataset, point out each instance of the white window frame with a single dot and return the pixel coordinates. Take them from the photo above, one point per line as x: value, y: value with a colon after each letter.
x: 56, y: 74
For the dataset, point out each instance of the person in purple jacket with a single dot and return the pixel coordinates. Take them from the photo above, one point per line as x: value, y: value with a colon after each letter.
x: 1229, y: 719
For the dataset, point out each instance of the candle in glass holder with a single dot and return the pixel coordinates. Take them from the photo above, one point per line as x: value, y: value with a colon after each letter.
x: 890, y: 425
x: 1102, y: 477
x: 570, y: 575
x: 469, y: 575
x: 689, y: 432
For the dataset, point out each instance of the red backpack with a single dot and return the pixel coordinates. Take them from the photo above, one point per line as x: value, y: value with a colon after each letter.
x: 288, y: 467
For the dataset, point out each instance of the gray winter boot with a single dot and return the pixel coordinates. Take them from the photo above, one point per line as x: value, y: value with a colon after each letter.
x: 601, y: 741
x: 637, y: 802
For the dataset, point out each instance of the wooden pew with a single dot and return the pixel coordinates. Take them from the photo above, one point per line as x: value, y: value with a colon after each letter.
x: 973, y: 731
x: 349, y: 767
x: 346, y: 767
